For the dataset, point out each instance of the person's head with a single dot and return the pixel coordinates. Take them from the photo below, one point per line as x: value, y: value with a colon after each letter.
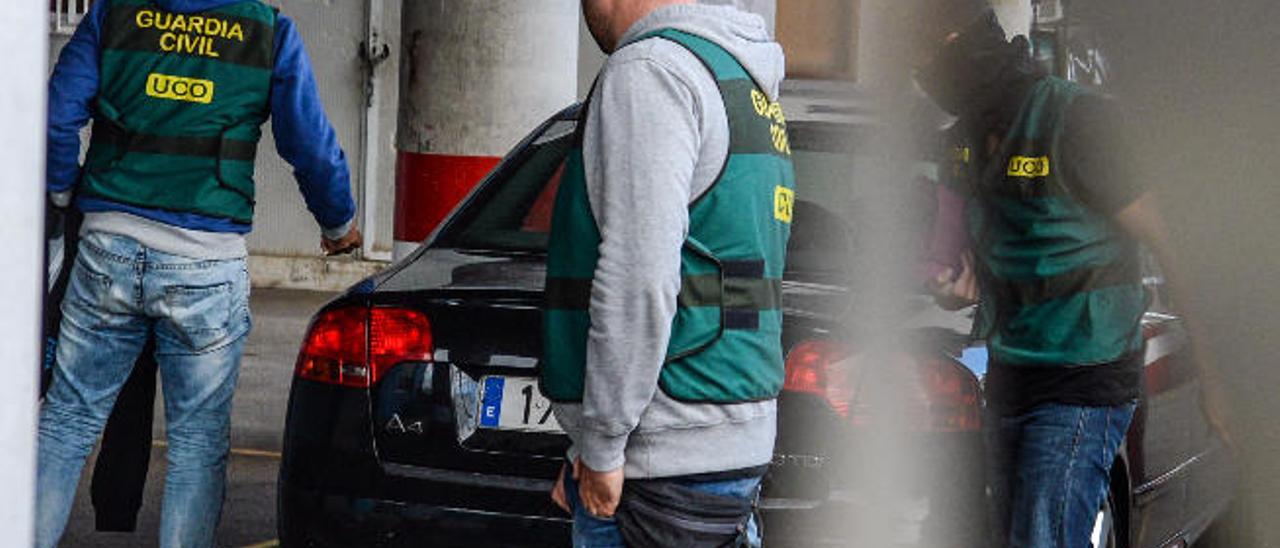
x: 608, y: 20
x: 932, y: 21
x: 964, y: 61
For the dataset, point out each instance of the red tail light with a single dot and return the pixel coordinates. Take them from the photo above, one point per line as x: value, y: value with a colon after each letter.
x: 952, y: 395
x: 930, y: 393
x: 334, y: 351
x: 822, y: 368
x: 355, y: 347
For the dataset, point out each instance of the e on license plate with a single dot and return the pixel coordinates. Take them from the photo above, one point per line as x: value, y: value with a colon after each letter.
x: 515, y: 403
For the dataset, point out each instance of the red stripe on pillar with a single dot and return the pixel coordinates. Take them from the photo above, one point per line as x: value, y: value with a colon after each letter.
x: 429, y: 186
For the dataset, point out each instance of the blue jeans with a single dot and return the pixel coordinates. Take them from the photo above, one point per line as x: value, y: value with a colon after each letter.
x: 592, y: 532
x: 1050, y: 472
x: 120, y: 294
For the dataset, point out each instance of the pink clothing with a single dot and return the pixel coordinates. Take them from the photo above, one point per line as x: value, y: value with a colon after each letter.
x: 949, y: 237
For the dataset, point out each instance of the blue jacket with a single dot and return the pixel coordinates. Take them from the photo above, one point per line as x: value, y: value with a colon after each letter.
x: 303, y: 135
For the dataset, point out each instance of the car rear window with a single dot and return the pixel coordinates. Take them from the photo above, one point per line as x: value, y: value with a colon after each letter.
x: 513, y: 212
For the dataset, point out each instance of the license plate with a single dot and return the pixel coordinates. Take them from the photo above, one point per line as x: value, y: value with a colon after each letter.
x: 515, y: 403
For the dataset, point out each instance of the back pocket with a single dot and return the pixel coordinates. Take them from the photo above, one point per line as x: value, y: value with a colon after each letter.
x: 201, y: 316
x: 89, y: 300
x: 89, y: 285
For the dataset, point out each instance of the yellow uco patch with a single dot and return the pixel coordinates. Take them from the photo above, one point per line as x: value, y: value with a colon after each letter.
x: 1027, y: 167
x: 179, y: 88
x: 784, y: 203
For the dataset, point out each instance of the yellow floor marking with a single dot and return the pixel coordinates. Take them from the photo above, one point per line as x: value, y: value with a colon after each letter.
x: 267, y: 544
x: 239, y: 452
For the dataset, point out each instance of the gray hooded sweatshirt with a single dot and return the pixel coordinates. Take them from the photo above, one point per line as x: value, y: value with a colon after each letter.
x: 656, y: 137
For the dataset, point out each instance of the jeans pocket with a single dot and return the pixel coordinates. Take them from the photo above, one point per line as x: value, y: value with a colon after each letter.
x: 88, y: 295
x: 94, y: 282
x: 201, y: 315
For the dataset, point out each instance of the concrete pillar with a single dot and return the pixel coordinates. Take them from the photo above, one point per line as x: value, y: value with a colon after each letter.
x: 24, y: 35
x: 475, y: 78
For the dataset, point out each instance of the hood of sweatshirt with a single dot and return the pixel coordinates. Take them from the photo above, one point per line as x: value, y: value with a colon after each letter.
x: 192, y: 6
x: 741, y: 33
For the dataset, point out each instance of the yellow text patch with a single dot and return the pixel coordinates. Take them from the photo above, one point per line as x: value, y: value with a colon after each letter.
x: 784, y: 202
x: 1028, y: 167
x: 179, y: 88
x: 772, y: 111
x: 189, y: 34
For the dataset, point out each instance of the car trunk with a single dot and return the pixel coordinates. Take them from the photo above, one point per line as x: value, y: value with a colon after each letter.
x: 485, y: 317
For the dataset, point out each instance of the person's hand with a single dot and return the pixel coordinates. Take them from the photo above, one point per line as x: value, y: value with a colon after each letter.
x: 1213, y: 402
x: 557, y: 491
x: 1214, y: 405
x: 346, y: 244
x: 600, y: 491
x: 953, y: 290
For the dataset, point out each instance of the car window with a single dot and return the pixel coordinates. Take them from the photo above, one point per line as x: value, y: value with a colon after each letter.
x: 513, y: 213
x: 538, y: 219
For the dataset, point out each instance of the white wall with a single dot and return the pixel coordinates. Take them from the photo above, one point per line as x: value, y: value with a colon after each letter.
x: 590, y: 59
x: 23, y: 38
x: 332, y: 32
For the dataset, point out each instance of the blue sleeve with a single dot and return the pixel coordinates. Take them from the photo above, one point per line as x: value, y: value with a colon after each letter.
x: 305, y: 138
x: 72, y: 88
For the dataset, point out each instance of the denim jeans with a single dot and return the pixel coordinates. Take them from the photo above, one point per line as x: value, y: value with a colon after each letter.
x: 1050, y: 472
x: 121, y: 293
x: 593, y: 532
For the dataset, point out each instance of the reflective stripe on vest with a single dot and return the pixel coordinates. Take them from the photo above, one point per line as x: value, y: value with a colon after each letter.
x: 725, y: 342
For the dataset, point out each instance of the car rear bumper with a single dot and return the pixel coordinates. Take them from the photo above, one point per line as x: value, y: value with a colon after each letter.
x: 852, y: 519
x: 323, y: 520
x: 334, y: 491
x: 486, y: 513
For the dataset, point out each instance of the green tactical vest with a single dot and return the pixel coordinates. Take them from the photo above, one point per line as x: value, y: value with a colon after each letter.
x: 1061, y: 283
x: 181, y: 102
x: 726, y: 344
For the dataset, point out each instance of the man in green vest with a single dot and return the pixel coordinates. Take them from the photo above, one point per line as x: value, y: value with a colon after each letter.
x: 177, y: 91
x: 1055, y: 220
x: 662, y: 341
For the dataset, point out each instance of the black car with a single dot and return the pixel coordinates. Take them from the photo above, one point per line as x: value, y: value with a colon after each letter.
x: 414, y: 418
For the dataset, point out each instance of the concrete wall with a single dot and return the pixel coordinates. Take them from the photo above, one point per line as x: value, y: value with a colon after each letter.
x: 332, y: 32
x: 388, y: 97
